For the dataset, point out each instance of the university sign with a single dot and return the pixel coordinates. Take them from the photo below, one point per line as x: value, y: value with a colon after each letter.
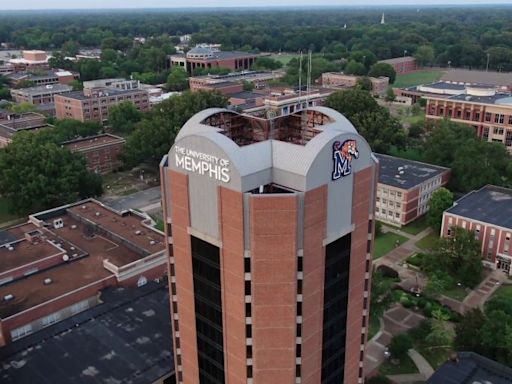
x: 342, y: 154
x: 202, y: 163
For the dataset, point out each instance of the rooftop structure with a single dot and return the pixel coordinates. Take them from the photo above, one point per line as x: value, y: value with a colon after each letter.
x: 272, y: 225
x: 66, y: 255
x: 469, y: 367
x: 43, y: 94
x: 487, y: 212
x: 31, y: 59
x: 496, y: 79
x: 211, y: 57
x: 102, y: 152
x: 117, y: 83
x: 339, y: 80
x: 44, y: 77
x: 124, y: 340
x: 405, y: 188
x: 12, y: 123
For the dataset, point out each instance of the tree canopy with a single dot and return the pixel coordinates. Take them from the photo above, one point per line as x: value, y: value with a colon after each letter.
x: 440, y: 200
x: 123, y: 117
x: 383, y: 69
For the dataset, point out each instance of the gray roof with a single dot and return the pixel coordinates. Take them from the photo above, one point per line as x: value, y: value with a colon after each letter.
x: 471, y: 368
x: 446, y: 85
x: 42, y: 89
x: 470, y: 76
x: 79, y: 95
x: 127, y: 339
x: 414, y: 172
x: 490, y: 204
x: 498, y: 98
x: 397, y: 60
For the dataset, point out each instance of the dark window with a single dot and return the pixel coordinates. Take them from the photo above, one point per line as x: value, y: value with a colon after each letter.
x: 248, y: 350
x: 299, y: 287
x: 298, y: 350
x: 248, y: 330
x: 249, y: 371
x: 368, y: 246
x: 208, y: 307
x: 366, y: 284
x: 370, y: 226
x: 299, y: 309
x: 367, y: 265
x: 248, y: 310
x: 299, y: 266
x: 488, y: 116
x: 247, y: 288
x: 247, y: 265
x: 298, y: 330
x: 177, y: 342
x: 297, y: 370
x: 336, y: 283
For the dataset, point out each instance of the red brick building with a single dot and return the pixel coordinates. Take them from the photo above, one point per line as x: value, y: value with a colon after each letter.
x: 488, y: 213
x: 233, y: 82
x: 12, y: 123
x: 402, y: 65
x: 272, y: 228
x: 207, y: 57
x: 54, y: 265
x: 405, y: 188
x: 102, y: 152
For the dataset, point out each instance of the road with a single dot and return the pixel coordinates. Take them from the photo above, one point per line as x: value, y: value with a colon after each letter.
x: 146, y: 200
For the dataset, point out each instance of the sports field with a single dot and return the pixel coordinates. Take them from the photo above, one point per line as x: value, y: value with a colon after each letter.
x: 417, y: 78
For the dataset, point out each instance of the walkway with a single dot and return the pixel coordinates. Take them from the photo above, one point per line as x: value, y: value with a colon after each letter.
x: 478, y: 296
x: 424, y: 368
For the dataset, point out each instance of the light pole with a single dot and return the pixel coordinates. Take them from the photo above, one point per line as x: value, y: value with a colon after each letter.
x: 449, y: 64
x: 487, y: 67
x: 403, y: 62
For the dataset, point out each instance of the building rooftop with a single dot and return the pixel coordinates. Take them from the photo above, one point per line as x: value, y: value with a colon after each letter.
x: 91, y: 236
x: 471, y: 368
x: 42, y: 89
x: 126, y: 339
x: 490, y: 204
x: 497, y: 99
x: 397, y: 60
x: 79, y: 95
x: 405, y: 174
x: 92, y: 142
x: 471, y: 76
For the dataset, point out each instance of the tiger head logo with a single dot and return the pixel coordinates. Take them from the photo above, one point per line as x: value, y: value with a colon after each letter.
x: 343, y: 154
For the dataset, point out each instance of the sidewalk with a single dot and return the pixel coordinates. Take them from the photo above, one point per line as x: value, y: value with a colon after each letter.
x: 478, y: 296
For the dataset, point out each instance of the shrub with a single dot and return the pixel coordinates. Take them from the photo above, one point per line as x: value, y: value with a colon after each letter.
x: 399, y: 345
x: 387, y: 271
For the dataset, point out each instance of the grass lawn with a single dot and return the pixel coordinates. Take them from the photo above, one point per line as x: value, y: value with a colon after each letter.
x: 416, y: 226
x: 5, y: 214
x: 405, y: 366
x: 457, y: 293
x: 428, y: 242
x: 386, y: 242
x: 374, y: 326
x: 285, y: 57
x: 417, y: 78
x: 505, y: 291
x: 436, y: 356
x: 412, y: 119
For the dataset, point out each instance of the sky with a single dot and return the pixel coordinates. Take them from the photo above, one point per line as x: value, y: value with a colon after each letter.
x: 101, y: 4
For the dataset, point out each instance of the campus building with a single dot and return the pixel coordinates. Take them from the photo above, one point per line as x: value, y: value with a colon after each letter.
x: 54, y: 265
x: 93, y: 104
x: 32, y: 59
x: 405, y: 188
x: 488, y: 213
x: 102, y: 152
x: 402, y: 65
x: 43, y: 94
x: 233, y: 82
x: 204, y: 56
x: 12, y: 123
x: 488, y: 111
x: 272, y: 235
x: 53, y: 76
x: 339, y: 80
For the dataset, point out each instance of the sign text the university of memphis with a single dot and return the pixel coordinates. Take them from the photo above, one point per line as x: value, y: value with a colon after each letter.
x: 202, y: 163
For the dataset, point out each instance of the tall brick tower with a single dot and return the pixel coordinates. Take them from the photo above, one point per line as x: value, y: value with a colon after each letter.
x: 270, y: 229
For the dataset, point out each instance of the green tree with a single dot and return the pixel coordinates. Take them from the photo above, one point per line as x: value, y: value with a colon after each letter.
x: 24, y: 84
x: 355, y: 68
x: 468, y: 332
x: 424, y: 55
x: 390, y: 95
x: 23, y: 107
x: 248, y: 86
x: 383, y: 69
x: 440, y: 334
x: 177, y: 79
x: 400, y: 345
x: 37, y: 175
x: 267, y: 63
x: 352, y: 102
x: 153, y: 136
x: 440, y: 200
x: 70, y: 48
x: 123, y: 117
x: 364, y: 83
x: 77, y: 85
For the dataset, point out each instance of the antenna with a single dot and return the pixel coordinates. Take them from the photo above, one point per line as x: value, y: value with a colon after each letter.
x: 300, y: 75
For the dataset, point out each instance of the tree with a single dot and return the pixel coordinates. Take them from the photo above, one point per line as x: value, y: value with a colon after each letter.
x: 390, y: 95
x: 71, y: 48
x: 36, y: 175
x: 24, y: 84
x: 153, y: 136
x: 77, y: 85
x: 352, y: 102
x: 23, y: 107
x: 424, y: 55
x: 248, y: 86
x: 441, y: 200
x: 123, y: 117
x: 267, y: 63
x: 440, y: 334
x: 355, y: 68
x: 383, y: 69
x: 468, y: 335
x: 400, y: 345
x: 364, y: 83
x: 177, y: 79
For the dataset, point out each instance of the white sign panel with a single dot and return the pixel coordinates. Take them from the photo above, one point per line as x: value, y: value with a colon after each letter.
x: 202, y: 163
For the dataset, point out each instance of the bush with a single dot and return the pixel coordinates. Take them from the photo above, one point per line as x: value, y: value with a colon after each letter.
x: 387, y: 271
x: 399, y: 345
x: 421, y: 331
x: 378, y: 228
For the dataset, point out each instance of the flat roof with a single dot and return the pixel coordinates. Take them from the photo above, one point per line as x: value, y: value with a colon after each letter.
x: 490, y: 204
x: 79, y: 95
x: 92, y: 233
x: 42, y: 89
x: 91, y: 142
x: 472, y: 76
x: 405, y: 174
x: 470, y: 367
x: 397, y: 60
x: 126, y: 339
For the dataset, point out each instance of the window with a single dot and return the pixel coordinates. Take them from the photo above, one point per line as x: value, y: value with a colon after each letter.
x: 399, y: 194
x: 488, y: 116
x: 397, y: 215
x: 51, y: 319
x: 20, y: 332
x: 80, y: 306
x: 485, y: 134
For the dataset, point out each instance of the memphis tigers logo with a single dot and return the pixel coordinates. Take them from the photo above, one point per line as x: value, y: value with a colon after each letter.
x: 342, y: 154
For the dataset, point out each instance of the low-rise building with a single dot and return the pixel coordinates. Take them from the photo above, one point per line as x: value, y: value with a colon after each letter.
x: 339, y: 80
x: 12, y: 123
x: 55, y: 264
x: 405, y: 188
x: 53, y: 76
x: 402, y: 65
x: 31, y: 59
x: 102, y: 152
x: 488, y: 213
x: 233, y: 82
x: 93, y: 104
x: 43, y: 94
x: 204, y: 56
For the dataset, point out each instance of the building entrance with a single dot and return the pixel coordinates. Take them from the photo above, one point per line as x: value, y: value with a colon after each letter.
x: 504, y: 264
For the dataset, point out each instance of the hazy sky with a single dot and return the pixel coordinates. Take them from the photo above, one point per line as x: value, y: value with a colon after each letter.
x: 88, y: 4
